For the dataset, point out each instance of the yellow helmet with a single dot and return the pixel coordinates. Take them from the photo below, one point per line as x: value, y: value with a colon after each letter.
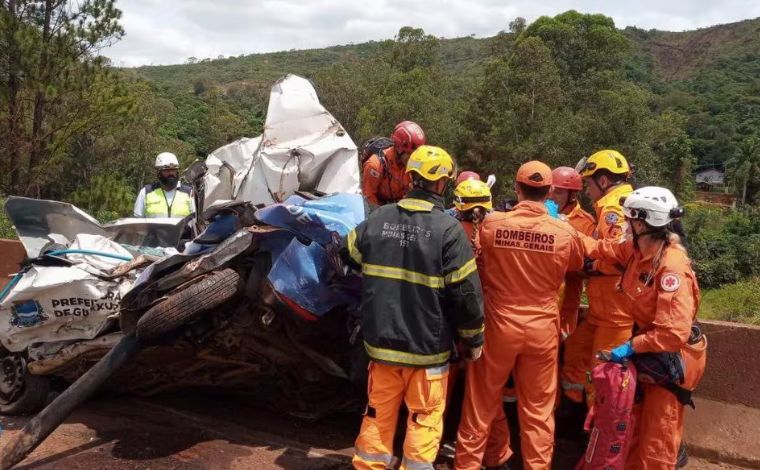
x: 610, y: 160
x: 431, y: 163
x: 470, y: 194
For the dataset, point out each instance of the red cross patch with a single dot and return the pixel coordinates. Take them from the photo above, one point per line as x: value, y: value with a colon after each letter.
x: 670, y: 282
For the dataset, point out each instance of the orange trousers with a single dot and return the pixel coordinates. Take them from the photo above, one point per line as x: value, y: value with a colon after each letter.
x: 580, y: 357
x: 525, y: 346
x: 497, y: 447
x: 658, y: 429
x: 570, y: 301
x: 658, y: 419
x: 423, y: 391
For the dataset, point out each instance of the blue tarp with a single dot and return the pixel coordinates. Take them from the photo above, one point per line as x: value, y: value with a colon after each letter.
x: 301, y: 270
x: 316, y: 219
x: 302, y: 274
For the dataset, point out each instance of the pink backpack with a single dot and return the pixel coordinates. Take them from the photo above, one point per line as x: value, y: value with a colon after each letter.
x: 610, y: 420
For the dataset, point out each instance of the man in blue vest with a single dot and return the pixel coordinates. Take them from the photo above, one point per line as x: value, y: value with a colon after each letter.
x: 167, y: 197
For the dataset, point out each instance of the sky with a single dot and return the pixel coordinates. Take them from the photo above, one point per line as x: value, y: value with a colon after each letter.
x: 170, y: 31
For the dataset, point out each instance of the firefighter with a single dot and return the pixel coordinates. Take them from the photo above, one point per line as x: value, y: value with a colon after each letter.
x: 607, y: 324
x: 662, y: 294
x: 566, y: 185
x: 384, y: 176
x: 525, y: 256
x: 420, y: 292
x: 472, y: 200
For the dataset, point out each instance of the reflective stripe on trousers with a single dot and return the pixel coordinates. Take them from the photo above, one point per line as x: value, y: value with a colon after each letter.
x: 423, y: 390
x: 385, y: 459
x: 407, y: 464
x: 571, y: 386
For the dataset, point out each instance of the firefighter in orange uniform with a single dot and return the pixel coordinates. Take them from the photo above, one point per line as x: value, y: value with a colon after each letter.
x: 566, y: 184
x: 384, y: 176
x: 661, y: 291
x: 607, y: 324
x: 525, y: 256
x: 420, y: 291
x: 472, y: 200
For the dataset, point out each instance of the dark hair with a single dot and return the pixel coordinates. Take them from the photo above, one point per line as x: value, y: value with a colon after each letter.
x: 533, y: 193
x: 671, y: 233
x: 613, y: 177
x: 422, y: 183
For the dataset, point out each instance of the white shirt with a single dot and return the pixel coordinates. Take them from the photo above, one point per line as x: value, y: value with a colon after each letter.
x: 139, y: 210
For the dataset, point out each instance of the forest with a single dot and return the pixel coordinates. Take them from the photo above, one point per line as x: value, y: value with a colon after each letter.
x: 75, y: 128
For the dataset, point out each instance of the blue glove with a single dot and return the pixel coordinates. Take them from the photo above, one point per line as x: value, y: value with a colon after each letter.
x: 622, y: 352
x: 552, y: 208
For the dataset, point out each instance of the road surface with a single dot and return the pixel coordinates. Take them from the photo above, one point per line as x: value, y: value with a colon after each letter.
x: 199, y: 431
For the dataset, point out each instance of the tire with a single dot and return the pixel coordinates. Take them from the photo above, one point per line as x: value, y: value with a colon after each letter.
x: 187, y: 305
x: 21, y: 393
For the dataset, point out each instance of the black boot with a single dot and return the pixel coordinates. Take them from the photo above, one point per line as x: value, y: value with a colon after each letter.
x: 683, y: 457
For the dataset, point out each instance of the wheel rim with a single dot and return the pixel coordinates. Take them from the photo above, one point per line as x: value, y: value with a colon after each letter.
x: 11, y: 378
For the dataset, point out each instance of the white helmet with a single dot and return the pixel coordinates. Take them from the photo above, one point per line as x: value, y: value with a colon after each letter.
x: 166, y: 160
x: 654, y: 205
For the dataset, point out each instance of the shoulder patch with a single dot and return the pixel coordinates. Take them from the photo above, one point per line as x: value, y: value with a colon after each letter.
x: 374, y: 173
x: 670, y: 282
x: 611, y: 218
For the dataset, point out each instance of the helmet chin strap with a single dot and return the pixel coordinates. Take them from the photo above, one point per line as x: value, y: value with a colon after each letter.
x: 637, y: 236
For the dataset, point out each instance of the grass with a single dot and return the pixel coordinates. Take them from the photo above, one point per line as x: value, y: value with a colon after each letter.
x: 6, y: 227
x: 738, y: 302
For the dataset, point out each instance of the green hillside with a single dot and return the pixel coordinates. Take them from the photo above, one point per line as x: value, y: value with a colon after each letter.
x: 711, y: 75
x: 556, y: 89
x: 259, y: 71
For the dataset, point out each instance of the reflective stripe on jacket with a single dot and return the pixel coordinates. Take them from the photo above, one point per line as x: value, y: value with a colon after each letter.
x: 420, y: 282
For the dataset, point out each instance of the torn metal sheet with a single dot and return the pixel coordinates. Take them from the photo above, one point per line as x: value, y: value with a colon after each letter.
x: 40, y: 222
x: 303, y: 148
x: 158, y: 232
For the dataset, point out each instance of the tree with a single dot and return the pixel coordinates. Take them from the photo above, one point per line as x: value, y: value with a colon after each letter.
x: 518, y: 110
x: 53, y: 60
x: 744, y: 167
x: 581, y: 43
x: 413, y: 48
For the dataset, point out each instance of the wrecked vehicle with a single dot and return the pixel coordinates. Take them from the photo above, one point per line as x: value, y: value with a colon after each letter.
x: 256, y: 303
x: 65, y: 301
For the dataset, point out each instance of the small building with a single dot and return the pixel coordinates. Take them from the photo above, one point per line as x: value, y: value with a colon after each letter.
x: 710, y: 179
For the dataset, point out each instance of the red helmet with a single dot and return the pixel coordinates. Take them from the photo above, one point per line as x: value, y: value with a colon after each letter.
x: 467, y: 175
x: 407, y: 136
x: 567, y: 178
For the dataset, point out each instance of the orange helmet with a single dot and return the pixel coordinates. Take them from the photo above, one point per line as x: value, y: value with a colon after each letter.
x: 535, y: 173
x: 565, y: 177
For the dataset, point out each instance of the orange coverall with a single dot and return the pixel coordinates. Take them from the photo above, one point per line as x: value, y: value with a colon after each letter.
x: 584, y: 223
x: 661, y: 292
x: 383, y: 187
x: 525, y: 254
x: 497, y: 446
x: 607, y: 324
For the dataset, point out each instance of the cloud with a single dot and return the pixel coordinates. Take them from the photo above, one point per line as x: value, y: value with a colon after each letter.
x: 170, y: 31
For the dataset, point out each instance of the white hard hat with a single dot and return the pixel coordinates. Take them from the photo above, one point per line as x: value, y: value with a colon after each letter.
x: 166, y: 160
x: 654, y: 205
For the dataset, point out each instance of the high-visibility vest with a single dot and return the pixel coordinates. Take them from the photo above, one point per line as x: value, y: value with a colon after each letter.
x: 156, y: 204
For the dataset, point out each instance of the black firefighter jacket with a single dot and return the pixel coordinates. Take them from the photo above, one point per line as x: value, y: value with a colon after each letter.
x: 420, y: 282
